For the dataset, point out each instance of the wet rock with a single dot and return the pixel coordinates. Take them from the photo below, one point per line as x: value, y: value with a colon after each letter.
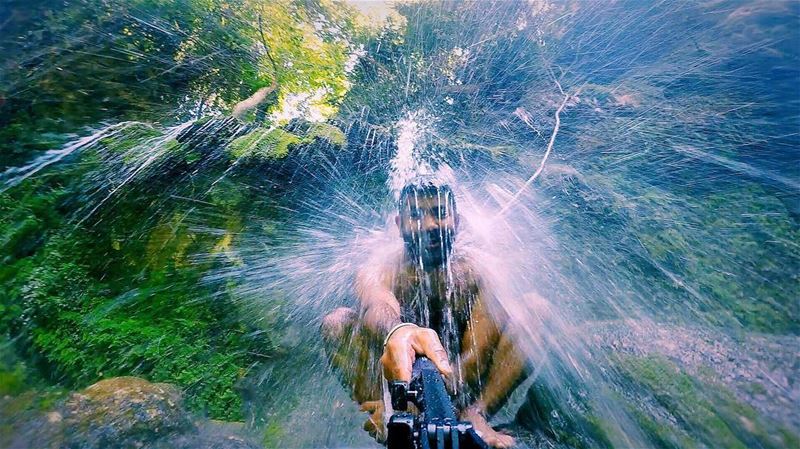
x: 23, y: 425
x: 123, y: 412
x: 118, y: 413
x: 757, y: 368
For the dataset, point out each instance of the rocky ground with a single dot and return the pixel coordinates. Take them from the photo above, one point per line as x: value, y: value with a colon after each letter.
x: 694, y: 388
x: 761, y: 370
x: 121, y: 412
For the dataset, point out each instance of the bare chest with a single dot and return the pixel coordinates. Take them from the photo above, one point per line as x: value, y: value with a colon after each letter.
x: 440, y: 300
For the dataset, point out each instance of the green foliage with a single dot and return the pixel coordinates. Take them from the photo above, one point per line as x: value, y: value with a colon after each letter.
x: 120, y: 294
x: 315, y: 52
x: 126, y: 292
x: 171, y: 335
x: 263, y: 143
x: 12, y: 381
x: 275, y: 143
x: 74, y: 64
x: 327, y: 132
x: 88, y: 304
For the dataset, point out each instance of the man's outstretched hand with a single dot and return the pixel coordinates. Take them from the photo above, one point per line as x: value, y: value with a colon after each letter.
x: 405, y: 344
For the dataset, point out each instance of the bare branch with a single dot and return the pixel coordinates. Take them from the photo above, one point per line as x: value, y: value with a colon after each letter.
x: 261, y: 94
x: 546, y: 153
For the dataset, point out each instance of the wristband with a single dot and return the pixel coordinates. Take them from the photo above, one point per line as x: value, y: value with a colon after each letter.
x: 394, y: 329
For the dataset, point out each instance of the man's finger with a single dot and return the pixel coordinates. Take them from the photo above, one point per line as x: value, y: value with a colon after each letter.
x: 432, y: 348
x: 396, y: 361
x: 369, y: 406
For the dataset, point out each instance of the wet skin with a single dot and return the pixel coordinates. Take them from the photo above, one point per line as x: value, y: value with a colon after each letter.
x: 482, y: 361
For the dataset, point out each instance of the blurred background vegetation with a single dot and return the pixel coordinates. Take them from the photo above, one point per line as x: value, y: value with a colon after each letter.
x: 120, y: 294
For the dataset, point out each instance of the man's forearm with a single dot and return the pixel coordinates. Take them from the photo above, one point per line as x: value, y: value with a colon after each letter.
x: 380, y: 319
x: 507, y: 370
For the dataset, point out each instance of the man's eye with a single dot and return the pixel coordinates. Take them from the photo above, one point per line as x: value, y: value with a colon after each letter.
x: 440, y: 212
x: 416, y: 214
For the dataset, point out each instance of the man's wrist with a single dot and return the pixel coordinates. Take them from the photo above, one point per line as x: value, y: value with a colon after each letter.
x: 394, y: 329
x: 480, y: 408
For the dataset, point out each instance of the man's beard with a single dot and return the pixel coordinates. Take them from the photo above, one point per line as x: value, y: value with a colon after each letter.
x: 429, y: 249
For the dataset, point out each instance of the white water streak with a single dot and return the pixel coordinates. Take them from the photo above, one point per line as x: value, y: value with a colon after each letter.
x: 546, y: 153
x: 15, y: 175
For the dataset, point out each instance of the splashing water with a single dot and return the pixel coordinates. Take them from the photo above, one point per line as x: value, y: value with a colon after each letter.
x: 16, y: 175
x: 407, y: 163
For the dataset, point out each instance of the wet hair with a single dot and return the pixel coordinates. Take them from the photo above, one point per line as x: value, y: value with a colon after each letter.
x: 426, y: 187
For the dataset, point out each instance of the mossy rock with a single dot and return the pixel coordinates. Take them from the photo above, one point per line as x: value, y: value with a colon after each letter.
x: 117, y: 413
x: 123, y: 412
x: 708, y: 414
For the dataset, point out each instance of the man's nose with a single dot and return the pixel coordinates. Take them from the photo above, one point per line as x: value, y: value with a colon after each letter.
x: 429, y: 222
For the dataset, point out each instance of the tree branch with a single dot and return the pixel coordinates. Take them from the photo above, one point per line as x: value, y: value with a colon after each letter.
x: 261, y: 94
x: 546, y: 153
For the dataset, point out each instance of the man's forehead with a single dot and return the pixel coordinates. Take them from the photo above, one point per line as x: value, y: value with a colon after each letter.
x: 427, y: 200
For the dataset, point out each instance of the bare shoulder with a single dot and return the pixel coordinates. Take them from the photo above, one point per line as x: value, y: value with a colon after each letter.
x: 470, y: 269
x: 378, y: 271
x: 464, y: 269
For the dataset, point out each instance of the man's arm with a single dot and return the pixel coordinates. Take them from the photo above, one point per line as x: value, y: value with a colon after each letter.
x: 487, y: 340
x: 380, y: 312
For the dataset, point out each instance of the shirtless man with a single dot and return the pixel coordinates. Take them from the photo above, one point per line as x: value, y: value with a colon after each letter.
x: 424, y: 300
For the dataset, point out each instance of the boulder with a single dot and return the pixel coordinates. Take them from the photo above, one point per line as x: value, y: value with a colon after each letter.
x: 117, y: 413
x: 123, y: 412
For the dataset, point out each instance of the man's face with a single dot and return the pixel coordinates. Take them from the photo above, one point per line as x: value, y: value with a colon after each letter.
x: 428, y: 225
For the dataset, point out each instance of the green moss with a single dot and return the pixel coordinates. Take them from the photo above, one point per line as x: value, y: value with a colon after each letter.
x: 263, y: 143
x: 565, y: 416
x: 730, y: 249
x: 662, y: 435
x: 273, y: 434
x: 677, y: 393
x: 756, y: 388
x: 328, y: 132
x: 12, y: 381
x: 789, y: 438
x: 708, y: 414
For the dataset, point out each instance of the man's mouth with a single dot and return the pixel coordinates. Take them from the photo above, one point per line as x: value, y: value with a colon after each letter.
x: 434, y: 243
x: 434, y: 247
x: 428, y: 243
